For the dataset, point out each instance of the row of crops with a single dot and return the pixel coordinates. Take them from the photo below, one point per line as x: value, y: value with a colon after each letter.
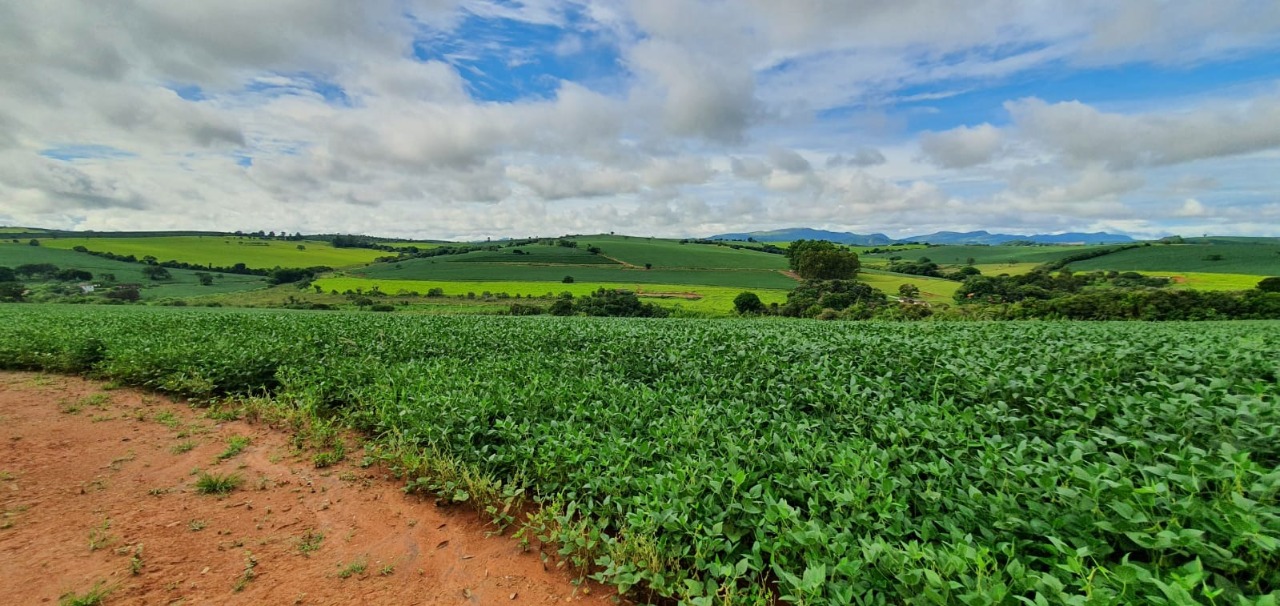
x: 817, y: 463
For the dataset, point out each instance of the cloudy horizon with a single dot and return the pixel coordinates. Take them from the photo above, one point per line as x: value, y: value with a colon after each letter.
x: 469, y: 119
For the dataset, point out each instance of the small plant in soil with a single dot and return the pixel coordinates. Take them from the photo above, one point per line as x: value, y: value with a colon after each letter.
x: 309, y: 542
x: 248, y: 573
x: 100, y: 536
x: 235, y: 446
x: 197, y: 525
x: 216, y: 483
x: 353, y: 569
x: 168, y: 419
x: 93, y: 597
x: 183, y: 447
x: 135, y: 561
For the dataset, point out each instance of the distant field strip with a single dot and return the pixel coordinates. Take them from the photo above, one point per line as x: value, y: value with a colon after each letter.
x: 226, y: 251
x: 711, y: 298
x: 1252, y: 258
x: 1207, y: 281
x: 434, y: 269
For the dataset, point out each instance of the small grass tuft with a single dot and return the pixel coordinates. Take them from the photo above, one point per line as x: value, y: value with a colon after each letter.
x: 183, y: 447
x: 248, y: 574
x: 309, y: 542
x: 235, y: 446
x: 168, y: 419
x: 355, y: 568
x: 215, y: 483
x: 93, y: 597
x: 100, y: 536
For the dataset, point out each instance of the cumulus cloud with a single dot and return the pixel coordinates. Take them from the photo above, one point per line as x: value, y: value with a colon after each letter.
x: 962, y: 147
x: 698, y: 115
x: 1082, y: 134
x: 863, y: 156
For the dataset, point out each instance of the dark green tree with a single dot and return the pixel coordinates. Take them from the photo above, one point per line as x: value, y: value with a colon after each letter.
x: 1269, y: 284
x: 155, y: 272
x: 748, y: 303
x: 822, y: 260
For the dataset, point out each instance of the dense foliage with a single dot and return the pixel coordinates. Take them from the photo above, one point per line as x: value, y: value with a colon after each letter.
x: 822, y: 260
x: 869, y: 463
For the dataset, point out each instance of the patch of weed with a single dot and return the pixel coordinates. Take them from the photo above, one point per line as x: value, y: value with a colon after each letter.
x: 183, y: 447
x: 235, y: 445
x: 215, y: 483
x: 353, y: 569
x: 309, y: 542
x: 93, y: 597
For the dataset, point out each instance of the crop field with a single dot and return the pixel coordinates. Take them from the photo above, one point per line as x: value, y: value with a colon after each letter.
x: 1207, y: 281
x: 960, y: 255
x: 934, y: 290
x: 445, y: 271
x: 822, y: 463
x: 225, y: 251
x: 709, y: 299
x: 1252, y: 258
x: 184, y: 284
x: 531, y: 254
x: 665, y: 254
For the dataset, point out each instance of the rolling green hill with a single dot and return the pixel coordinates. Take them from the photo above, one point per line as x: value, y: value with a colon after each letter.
x: 441, y: 269
x: 1226, y: 257
x: 184, y: 283
x: 225, y: 251
x: 960, y: 255
x: 664, y: 254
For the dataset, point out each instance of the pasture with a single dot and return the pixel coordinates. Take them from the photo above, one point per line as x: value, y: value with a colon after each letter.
x: 184, y: 283
x: 225, y: 251
x: 717, y: 300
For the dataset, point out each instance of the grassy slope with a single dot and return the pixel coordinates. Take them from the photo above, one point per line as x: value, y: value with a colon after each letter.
x: 664, y: 254
x: 226, y: 251
x: 713, y: 299
x: 533, y: 254
x: 184, y: 282
x: 424, y: 269
x: 1189, y: 280
x: 1253, y: 258
x: 933, y: 290
x: 959, y: 255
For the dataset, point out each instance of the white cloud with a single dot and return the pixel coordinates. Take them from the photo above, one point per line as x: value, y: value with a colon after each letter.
x: 318, y: 115
x: 963, y: 147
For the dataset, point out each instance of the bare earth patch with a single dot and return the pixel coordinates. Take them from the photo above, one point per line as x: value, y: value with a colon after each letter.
x: 99, y: 488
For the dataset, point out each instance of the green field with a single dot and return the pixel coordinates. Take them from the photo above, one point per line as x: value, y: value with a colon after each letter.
x: 960, y: 255
x: 933, y: 290
x: 441, y: 270
x: 701, y: 298
x: 1250, y: 258
x: 668, y: 254
x: 225, y: 251
x: 532, y: 254
x: 1207, y: 281
x: 184, y: 284
x: 750, y: 461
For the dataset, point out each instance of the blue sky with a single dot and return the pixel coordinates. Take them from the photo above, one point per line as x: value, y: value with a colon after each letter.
x: 475, y: 118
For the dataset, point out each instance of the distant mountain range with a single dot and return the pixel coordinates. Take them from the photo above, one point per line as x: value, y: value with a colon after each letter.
x: 941, y: 237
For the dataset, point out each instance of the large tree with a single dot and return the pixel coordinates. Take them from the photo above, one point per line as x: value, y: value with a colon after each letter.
x: 822, y: 260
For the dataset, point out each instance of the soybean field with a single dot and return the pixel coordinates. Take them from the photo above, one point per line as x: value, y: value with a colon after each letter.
x: 751, y: 462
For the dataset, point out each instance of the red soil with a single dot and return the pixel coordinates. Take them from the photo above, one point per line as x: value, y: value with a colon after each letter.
x: 99, y: 495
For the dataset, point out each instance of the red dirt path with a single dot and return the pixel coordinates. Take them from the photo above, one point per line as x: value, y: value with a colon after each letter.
x: 108, y: 475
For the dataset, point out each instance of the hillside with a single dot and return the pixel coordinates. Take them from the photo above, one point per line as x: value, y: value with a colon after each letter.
x: 1256, y: 257
x: 183, y: 283
x: 225, y: 250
